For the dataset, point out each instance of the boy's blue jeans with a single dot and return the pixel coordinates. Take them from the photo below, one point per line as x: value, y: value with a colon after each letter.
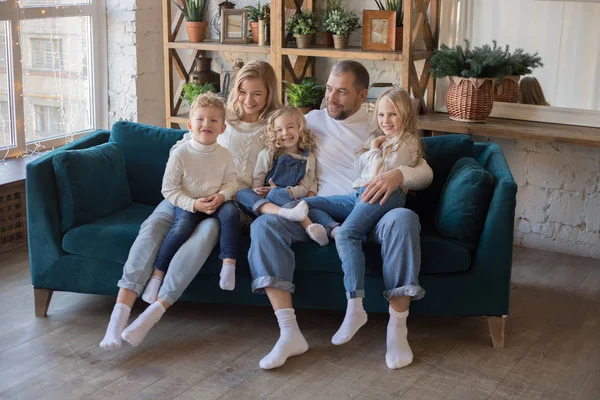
x: 184, y: 225
x: 249, y: 201
x: 359, y: 220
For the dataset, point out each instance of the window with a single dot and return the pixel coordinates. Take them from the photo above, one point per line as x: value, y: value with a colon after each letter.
x: 52, y: 72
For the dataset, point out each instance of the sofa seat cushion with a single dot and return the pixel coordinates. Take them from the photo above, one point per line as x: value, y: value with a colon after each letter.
x: 146, y: 150
x: 464, y: 203
x: 92, y: 183
x: 108, y: 238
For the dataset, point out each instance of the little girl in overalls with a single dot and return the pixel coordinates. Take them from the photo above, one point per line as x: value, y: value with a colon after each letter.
x: 284, y: 172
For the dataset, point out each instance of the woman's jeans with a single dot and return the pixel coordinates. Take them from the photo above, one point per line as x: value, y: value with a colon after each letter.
x: 359, y: 219
x: 184, y: 224
x: 186, y: 263
x: 250, y: 202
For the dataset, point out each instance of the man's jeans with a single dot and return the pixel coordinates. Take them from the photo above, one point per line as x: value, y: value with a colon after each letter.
x: 272, y: 261
x: 359, y: 219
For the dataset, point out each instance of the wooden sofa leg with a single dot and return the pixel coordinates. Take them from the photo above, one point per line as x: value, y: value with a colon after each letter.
x: 42, y: 299
x: 497, y: 325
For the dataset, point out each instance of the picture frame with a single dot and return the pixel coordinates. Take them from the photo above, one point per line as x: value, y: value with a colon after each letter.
x: 379, y: 30
x: 234, y: 26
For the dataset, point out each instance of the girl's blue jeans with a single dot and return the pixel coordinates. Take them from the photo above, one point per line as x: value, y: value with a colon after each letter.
x: 250, y: 202
x: 184, y: 225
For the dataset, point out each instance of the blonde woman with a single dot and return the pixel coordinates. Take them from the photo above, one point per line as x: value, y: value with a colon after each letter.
x: 284, y: 172
x: 530, y: 92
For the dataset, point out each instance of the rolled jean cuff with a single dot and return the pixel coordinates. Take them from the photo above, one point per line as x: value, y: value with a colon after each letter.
x: 257, y: 205
x: 259, y: 284
x: 167, y: 298
x: 355, y: 294
x: 331, y: 226
x: 416, y: 292
x: 136, y: 287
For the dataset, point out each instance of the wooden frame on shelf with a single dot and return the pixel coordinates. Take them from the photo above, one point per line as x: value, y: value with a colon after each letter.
x: 379, y: 30
x: 230, y: 18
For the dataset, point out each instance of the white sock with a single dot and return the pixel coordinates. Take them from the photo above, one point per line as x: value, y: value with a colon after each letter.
x: 152, y: 289
x: 318, y: 233
x: 334, y: 232
x: 137, y: 331
x: 118, y: 321
x: 295, y: 214
x: 398, y: 353
x: 355, y: 318
x: 227, y: 275
x: 291, y: 341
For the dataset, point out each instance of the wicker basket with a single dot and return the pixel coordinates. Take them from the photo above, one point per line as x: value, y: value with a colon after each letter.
x: 13, y: 223
x: 470, y: 99
x: 508, y: 90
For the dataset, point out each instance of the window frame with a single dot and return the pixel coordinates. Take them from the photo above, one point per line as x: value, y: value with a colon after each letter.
x: 96, y: 10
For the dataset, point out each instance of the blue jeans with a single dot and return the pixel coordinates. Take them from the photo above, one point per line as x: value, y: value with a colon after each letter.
x: 359, y: 219
x: 184, y: 225
x: 250, y: 202
x: 272, y: 261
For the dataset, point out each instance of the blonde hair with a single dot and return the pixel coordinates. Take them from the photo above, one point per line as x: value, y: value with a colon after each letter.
x: 305, y: 139
x: 254, y: 70
x: 530, y: 92
x: 402, y: 103
x: 208, y: 100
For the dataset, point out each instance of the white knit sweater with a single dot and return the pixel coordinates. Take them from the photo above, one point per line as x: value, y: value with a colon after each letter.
x: 195, y: 170
x: 242, y: 139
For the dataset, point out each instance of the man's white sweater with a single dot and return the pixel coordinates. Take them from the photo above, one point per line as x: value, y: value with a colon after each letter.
x: 195, y: 170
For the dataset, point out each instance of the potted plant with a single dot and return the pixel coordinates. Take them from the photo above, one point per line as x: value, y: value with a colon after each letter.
x: 195, y: 13
x: 255, y: 14
x: 519, y: 63
x: 472, y: 73
x: 192, y: 90
x: 342, y: 23
x: 395, y: 5
x: 330, y: 5
x: 302, y: 26
x: 306, y: 95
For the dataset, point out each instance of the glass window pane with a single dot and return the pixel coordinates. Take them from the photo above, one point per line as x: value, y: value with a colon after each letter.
x: 6, y: 131
x: 56, y: 76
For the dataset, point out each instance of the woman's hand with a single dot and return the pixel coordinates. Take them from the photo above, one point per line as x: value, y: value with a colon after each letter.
x: 382, y: 185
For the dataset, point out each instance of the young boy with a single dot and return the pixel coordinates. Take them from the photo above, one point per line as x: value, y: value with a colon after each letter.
x: 200, y: 180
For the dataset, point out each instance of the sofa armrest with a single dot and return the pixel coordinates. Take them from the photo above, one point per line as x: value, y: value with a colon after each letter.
x: 43, y: 215
x: 493, y: 256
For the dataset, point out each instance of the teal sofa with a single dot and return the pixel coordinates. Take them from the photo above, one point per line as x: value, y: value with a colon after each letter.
x: 461, y: 277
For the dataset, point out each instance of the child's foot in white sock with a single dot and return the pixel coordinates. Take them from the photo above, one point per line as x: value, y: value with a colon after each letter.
x: 295, y: 214
x: 118, y: 321
x: 137, y: 331
x: 152, y: 288
x: 355, y: 318
x: 318, y: 233
x: 227, y: 275
x: 398, y: 353
x: 334, y: 232
x: 291, y: 341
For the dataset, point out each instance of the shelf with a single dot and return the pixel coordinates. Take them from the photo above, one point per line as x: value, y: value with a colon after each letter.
x: 353, y: 52
x: 180, y: 118
x: 213, y: 45
x: 514, y: 129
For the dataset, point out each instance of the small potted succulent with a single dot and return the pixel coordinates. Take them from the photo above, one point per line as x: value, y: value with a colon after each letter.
x: 473, y: 72
x: 330, y: 5
x: 255, y: 14
x: 306, y: 95
x: 303, y: 27
x: 192, y: 90
x: 394, y: 5
x: 195, y: 15
x: 519, y: 63
x: 342, y: 23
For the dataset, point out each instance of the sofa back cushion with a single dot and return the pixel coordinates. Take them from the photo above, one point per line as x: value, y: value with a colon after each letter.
x: 146, y: 151
x: 441, y: 152
x: 91, y: 184
x: 464, y: 203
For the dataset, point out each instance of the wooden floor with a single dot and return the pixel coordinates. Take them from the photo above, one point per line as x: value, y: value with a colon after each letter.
x: 212, y: 352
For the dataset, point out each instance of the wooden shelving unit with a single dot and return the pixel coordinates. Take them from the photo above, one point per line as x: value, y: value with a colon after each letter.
x: 420, y: 27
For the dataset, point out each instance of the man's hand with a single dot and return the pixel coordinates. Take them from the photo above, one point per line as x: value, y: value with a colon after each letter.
x: 382, y: 185
x: 375, y: 143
